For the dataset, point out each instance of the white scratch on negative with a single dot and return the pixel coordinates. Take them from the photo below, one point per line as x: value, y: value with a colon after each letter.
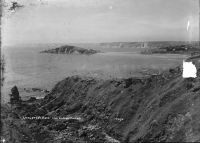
x: 188, y: 25
x: 189, y: 70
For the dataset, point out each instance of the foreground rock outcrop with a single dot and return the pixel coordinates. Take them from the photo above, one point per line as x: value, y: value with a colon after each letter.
x: 14, y: 96
x: 158, y: 108
x: 71, y: 50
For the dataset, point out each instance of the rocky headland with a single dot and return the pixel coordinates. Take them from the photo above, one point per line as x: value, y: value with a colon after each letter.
x: 67, y: 49
x: 157, y: 108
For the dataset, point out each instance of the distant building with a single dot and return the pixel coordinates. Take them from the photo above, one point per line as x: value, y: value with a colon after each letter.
x: 144, y: 45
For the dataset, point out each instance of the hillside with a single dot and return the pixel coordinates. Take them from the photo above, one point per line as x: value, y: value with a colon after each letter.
x: 161, y: 107
x: 149, y: 44
x: 187, y: 49
x: 71, y: 50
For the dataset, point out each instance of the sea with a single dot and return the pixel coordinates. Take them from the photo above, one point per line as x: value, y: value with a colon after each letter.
x: 26, y: 67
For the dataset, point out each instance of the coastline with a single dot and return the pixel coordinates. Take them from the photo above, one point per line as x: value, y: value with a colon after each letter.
x: 105, y: 116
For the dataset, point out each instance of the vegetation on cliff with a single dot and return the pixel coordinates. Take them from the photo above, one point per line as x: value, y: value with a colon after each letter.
x: 162, y: 107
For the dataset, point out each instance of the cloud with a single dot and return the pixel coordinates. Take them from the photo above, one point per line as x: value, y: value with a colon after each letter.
x: 101, y: 20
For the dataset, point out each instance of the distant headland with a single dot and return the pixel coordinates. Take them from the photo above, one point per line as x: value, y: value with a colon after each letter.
x: 67, y: 49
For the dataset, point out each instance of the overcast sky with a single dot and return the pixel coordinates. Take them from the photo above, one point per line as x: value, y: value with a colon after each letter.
x: 75, y: 21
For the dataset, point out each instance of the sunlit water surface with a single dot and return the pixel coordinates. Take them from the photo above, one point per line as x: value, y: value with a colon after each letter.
x: 27, y: 68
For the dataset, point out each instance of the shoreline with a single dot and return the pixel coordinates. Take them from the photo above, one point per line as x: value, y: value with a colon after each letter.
x: 99, y: 106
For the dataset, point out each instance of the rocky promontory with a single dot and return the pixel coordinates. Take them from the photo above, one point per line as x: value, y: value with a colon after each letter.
x: 67, y: 49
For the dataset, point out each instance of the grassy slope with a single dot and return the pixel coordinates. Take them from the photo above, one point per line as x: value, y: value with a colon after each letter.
x: 157, y: 108
x: 160, y: 108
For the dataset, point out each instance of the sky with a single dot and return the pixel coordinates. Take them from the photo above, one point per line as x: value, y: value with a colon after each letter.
x: 85, y: 21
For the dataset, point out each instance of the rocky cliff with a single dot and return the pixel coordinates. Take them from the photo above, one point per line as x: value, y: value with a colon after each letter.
x: 71, y: 50
x: 158, y: 108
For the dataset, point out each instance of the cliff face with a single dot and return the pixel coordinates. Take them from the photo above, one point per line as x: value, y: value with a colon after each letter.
x: 157, y: 108
x: 71, y: 50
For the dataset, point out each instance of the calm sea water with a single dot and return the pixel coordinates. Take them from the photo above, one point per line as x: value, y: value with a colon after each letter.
x: 27, y: 68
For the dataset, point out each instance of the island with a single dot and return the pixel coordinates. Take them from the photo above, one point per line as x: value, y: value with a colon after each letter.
x: 68, y: 49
